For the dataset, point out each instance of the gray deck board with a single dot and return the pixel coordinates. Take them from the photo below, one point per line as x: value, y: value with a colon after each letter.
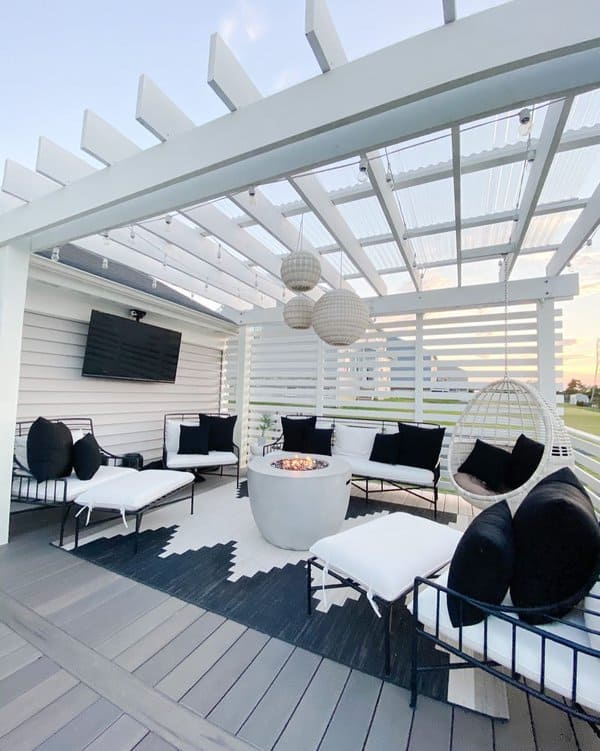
x: 10, y: 642
x: 471, y: 732
x: 351, y: 721
x: 179, y: 681
x: 44, y: 724
x: 153, y: 742
x: 148, y: 646
x: 553, y: 731
x: 272, y: 713
x: 84, y: 728
x: 119, y: 611
x: 217, y: 681
x: 26, y: 678
x: 586, y: 738
x: 163, y: 662
x: 517, y: 733
x: 309, y: 722
x: 122, y: 735
x: 17, y: 659
x: 237, y: 704
x: 94, y: 599
x: 392, y: 720
x: 33, y: 701
x: 131, y: 634
x: 432, y: 722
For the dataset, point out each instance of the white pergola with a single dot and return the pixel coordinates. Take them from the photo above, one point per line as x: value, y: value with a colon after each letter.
x: 212, y: 208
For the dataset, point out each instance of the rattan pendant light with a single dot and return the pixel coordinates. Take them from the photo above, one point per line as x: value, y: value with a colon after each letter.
x: 340, y: 317
x: 301, y: 269
x: 297, y: 312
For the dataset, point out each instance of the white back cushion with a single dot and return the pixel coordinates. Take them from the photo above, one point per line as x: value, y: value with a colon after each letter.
x: 21, y: 450
x: 172, y: 430
x: 353, y: 441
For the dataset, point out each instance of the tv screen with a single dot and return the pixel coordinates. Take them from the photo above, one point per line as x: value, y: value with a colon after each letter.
x: 121, y: 348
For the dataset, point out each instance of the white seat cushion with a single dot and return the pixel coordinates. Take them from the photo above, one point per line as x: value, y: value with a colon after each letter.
x: 559, y: 659
x: 364, y: 467
x: 52, y: 489
x: 386, y: 554
x: 134, y: 491
x: 212, y: 459
x: 350, y: 441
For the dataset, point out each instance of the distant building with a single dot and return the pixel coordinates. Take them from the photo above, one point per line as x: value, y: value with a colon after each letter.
x: 579, y: 399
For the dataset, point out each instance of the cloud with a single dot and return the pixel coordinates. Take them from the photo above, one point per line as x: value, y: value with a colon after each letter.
x: 244, y: 22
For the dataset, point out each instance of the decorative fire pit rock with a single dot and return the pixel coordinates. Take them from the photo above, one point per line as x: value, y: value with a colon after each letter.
x: 300, y: 463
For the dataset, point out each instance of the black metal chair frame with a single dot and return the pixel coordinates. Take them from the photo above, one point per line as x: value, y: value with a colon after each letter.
x: 331, y: 421
x: 55, y: 491
x: 190, y: 417
x: 157, y: 503
x: 512, y: 677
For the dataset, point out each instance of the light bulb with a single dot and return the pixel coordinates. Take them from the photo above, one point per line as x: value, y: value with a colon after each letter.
x: 168, y: 220
x: 252, y: 194
x: 362, y: 170
x: 154, y: 284
x: 106, y: 237
x: 105, y: 263
x: 55, y: 254
x: 131, y: 233
x: 525, y: 121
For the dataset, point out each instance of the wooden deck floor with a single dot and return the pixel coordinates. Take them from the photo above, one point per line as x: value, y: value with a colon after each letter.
x: 90, y: 660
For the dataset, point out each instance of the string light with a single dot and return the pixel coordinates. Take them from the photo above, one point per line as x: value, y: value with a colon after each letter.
x: 105, y: 263
x: 168, y: 220
x: 55, y: 254
x: 106, y: 237
x: 131, y: 233
x: 362, y: 170
x: 154, y: 284
x: 252, y: 194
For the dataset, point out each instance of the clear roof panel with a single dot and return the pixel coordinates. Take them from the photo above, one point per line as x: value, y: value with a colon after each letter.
x: 279, y: 192
x: 573, y: 174
x: 529, y: 265
x: 399, y: 281
x: 365, y: 217
x: 480, y: 272
x: 550, y: 229
x: 440, y: 278
x: 488, y: 234
x: 468, y: 7
x: 362, y: 287
x: 427, y: 204
x: 585, y: 111
x: 338, y: 257
x: 493, y: 132
x: 228, y: 207
x: 339, y: 174
x: 314, y: 231
x: 492, y: 190
x: 267, y: 239
x: 384, y: 256
x: 434, y: 247
x: 419, y: 152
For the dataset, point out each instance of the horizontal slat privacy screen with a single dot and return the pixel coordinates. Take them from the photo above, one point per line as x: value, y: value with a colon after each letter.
x: 128, y: 415
x: 415, y: 367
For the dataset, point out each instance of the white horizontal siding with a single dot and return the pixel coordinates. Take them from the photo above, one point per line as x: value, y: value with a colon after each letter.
x: 127, y: 415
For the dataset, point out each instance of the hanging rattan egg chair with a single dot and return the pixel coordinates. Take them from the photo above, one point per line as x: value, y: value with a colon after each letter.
x: 499, y: 414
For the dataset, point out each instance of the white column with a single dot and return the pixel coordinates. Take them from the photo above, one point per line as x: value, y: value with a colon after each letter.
x: 14, y: 266
x: 419, y: 368
x: 546, y: 351
x: 242, y: 393
x: 320, y: 393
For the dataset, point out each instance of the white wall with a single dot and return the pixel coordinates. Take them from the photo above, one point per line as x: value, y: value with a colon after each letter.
x: 128, y: 416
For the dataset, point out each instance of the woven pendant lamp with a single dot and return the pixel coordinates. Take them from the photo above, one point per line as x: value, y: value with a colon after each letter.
x: 301, y: 269
x: 340, y: 317
x: 297, y: 312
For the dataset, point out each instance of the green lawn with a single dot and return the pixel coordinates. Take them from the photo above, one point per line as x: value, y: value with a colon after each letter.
x: 582, y: 418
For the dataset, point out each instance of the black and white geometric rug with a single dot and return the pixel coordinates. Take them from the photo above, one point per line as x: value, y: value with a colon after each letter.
x: 218, y: 560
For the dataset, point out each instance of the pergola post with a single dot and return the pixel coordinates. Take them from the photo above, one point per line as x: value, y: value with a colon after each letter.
x: 320, y: 395
x: 14, y: 267
x: 242, y: 391
x: 546, y: 354
x: 419, y: 368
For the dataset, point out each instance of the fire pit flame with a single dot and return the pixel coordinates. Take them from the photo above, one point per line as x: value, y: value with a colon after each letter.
x: 299, y: 463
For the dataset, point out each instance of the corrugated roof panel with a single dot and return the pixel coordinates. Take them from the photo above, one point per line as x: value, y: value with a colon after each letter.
x: 339, y: 174
x: 531, y: 265
x: 314, y: 231
x: 550, y: 229
x: 399, y: 281
x: 267, y: 239
x: 488, y: 234
x: 585, y: 111
x: 427, y: 204
x: 480, y: 272
x: 279, y: 192
x: 228, y: 207
x: 365, y: 217
x: 384, y: 256
x: 503, y: 129
x: 362, y: 287
x: 440, y: 278
x: 491, y: 190
x: 341, y: 256
x: 434, y: 247
x: 573, y: 174
x: 420, y: 152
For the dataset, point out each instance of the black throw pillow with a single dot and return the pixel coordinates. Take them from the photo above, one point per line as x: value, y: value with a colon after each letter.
x: 386, y: 448
x: 49, y: 449
x: 296, y: 431
x: 420, y: 447
x: 194, y: 439
x: 220, y: 436
x: 318, y: 441
x: 482, y: 565
x: 557, y: 548
x: 489, y: 464
x: 524, y: 460
x: 87, y: 457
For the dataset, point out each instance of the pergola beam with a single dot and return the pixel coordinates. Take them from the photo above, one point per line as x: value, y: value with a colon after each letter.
x: 282, y: 134
x: 456, y: 186
x: 552, y: 129
x: 580, y: 232
x: 449, y: 8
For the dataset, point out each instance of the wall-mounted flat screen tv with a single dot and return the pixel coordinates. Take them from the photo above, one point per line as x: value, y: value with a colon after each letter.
x: 121, y: 348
